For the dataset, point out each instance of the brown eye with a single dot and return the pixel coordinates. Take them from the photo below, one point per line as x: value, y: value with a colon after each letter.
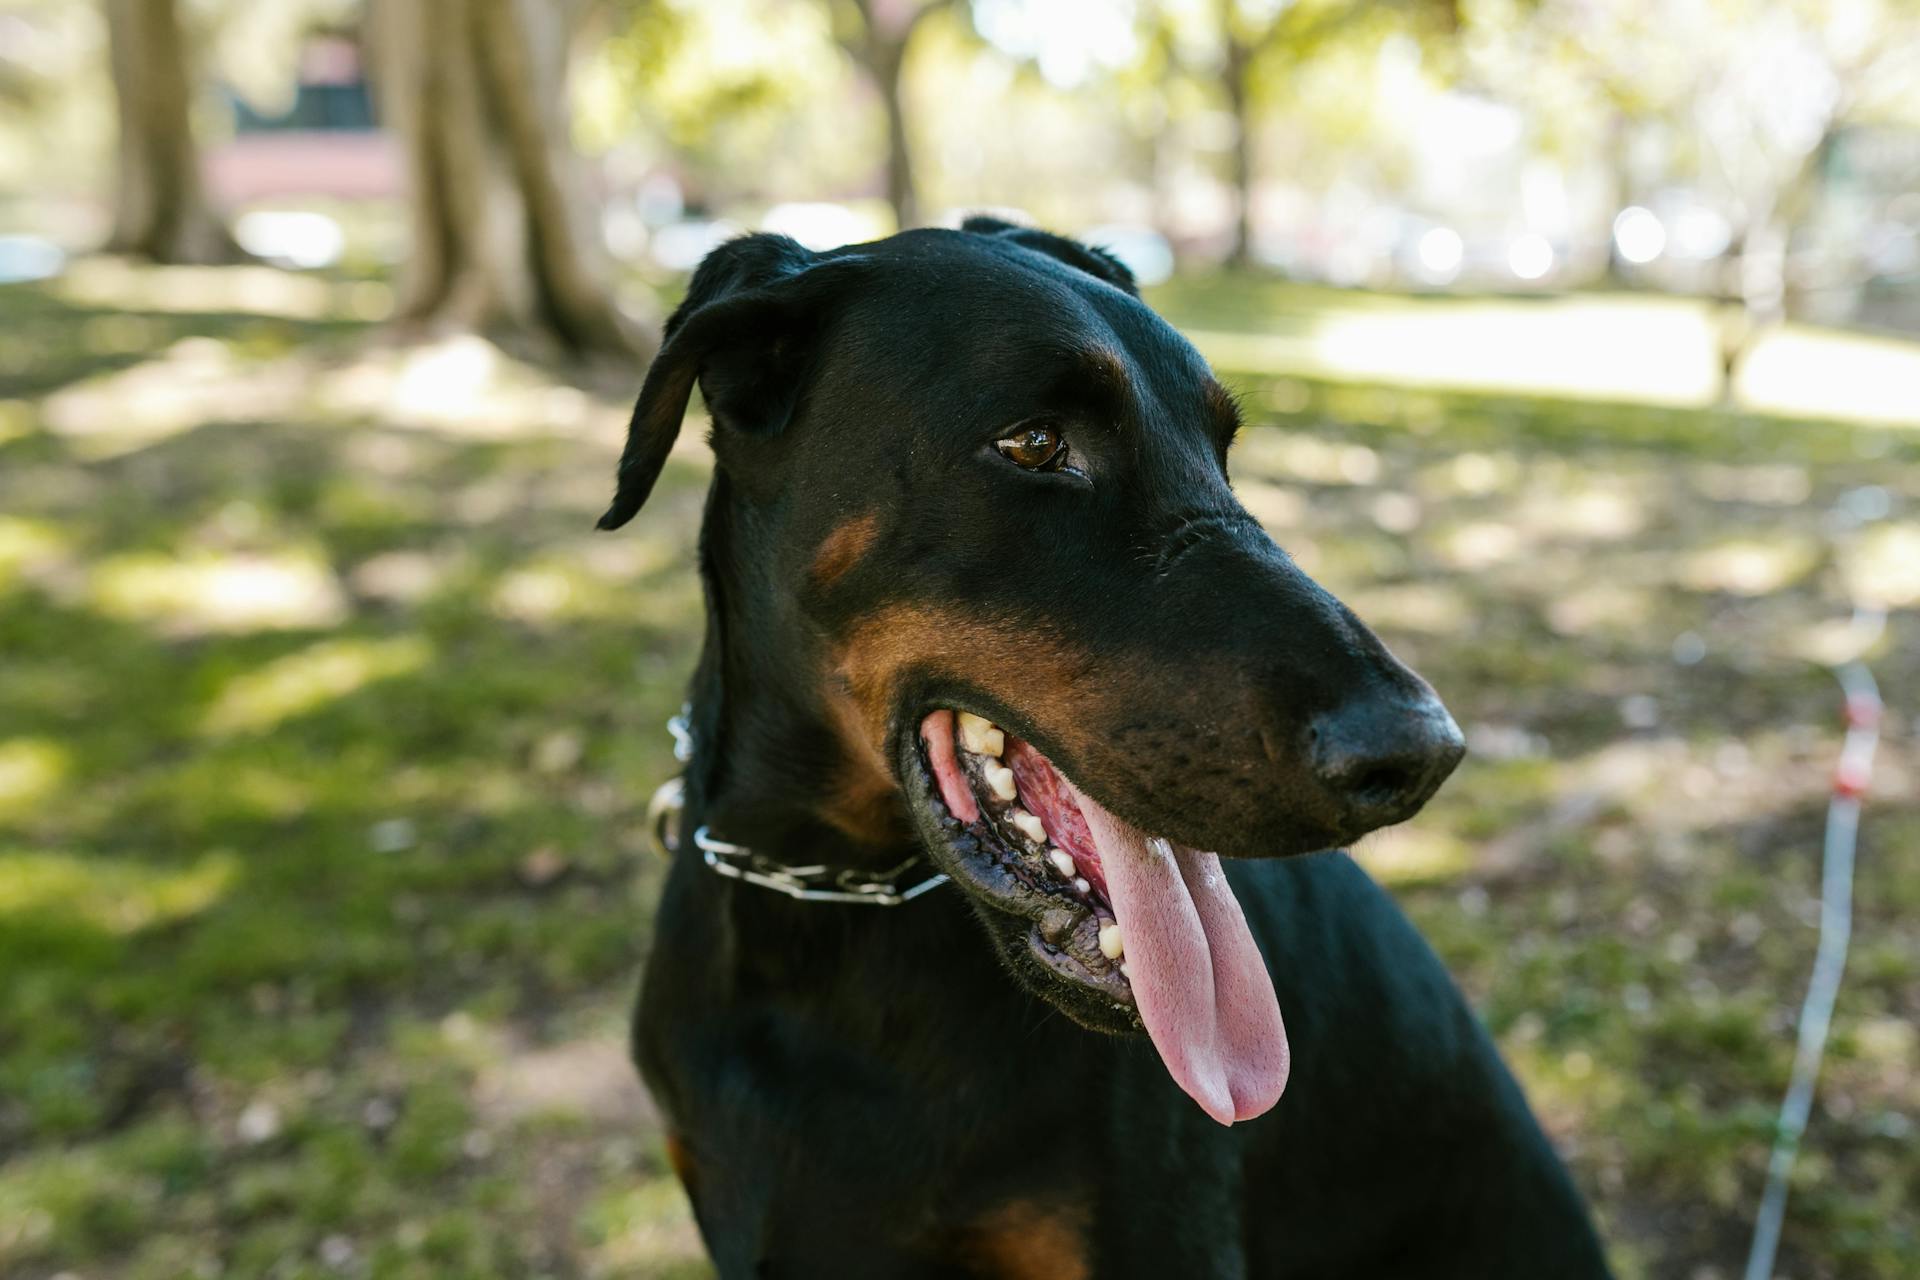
x: 1035, y: 448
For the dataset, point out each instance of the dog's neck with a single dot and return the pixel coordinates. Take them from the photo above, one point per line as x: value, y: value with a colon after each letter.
x: 769, y: 768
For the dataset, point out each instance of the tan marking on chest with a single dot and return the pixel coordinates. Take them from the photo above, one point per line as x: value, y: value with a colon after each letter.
x: 681, y: 1159
x: 1029, y: 1240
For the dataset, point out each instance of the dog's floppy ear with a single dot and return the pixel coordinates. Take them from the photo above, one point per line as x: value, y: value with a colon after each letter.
x: 741, y: 333
x: 1092, y: 259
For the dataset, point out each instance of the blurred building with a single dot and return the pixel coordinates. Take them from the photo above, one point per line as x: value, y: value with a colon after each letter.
x: 327, y: 143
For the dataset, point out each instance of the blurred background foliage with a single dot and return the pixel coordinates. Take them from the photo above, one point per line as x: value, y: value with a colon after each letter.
x: 1576, y: 340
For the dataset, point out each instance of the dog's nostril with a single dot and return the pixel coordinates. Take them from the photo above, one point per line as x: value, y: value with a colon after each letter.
x: 1382, y: 784
x: 1380, y: 758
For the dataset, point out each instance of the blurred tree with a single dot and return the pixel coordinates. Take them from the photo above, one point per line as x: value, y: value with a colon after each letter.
x: 740, y: 101
x: 477, y: 91
x: 1737, y: 102
x: 1266, y: 42
x: 877, y: 34
x: 160, y: 210
x: 1766, y: 144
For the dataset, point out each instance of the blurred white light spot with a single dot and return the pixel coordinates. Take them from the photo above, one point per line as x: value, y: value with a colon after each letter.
x: 446, y: 374
x: 29, y: 258
x: 1144, y: 251
x: 1441, y: 251
x: 1530, y: 256
x: 1700, y: 233
x: 1067, y: 40
x: 296, y: 238
x: 1638, y: 234
x: 818, y: 225
x: 259, y: 1123
x: 679, y: 246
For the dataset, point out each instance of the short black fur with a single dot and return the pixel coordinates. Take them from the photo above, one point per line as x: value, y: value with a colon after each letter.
x: 860, y: 1092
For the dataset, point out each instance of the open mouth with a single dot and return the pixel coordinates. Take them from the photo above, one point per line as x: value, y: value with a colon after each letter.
x: 1128, y: 929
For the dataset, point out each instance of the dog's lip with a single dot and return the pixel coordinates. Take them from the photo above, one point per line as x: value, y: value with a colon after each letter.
x: 1052, y: 921
x: 1016, y: 832
x: 905, y: 731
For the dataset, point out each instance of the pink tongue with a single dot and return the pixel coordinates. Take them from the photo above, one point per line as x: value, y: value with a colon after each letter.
x: 1200, y: 982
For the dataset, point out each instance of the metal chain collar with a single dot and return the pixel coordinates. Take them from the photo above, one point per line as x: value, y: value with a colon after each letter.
x: 817, y: 883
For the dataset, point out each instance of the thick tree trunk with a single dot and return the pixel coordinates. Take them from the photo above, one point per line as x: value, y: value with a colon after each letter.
x: 1238, y: 74
x: 476, y: 89
x: 160, y: 208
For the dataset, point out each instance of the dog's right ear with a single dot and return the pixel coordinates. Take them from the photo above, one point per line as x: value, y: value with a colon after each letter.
x: 749, y: 311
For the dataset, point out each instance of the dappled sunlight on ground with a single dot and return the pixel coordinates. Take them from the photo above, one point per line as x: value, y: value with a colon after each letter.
x: 115, y: 895
x: 1810, y: 373
x: 258, y: 700
x: 206, y: 591
x: 1620, y: 609
x: 118, y: 284
x: 305, y: 763
x: 1644, y: 349
x: 327, y: 725
x: 32, y: 771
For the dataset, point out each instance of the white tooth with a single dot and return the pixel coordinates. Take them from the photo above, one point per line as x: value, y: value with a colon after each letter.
x: 1062, y: 861
x: 1031, y: 827
x: 1080, y: 883
x: 1124, y: 971
x: 1000, y: 781
x: 978, y: 735
x: 1111, y: 945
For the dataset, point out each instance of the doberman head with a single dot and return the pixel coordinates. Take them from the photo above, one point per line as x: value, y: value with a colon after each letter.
x: 976, y: 578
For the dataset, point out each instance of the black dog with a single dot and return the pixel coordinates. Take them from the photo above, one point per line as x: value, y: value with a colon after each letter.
x: 978, y: 593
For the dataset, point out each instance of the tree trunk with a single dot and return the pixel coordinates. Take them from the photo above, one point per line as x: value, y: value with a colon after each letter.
x: 1756, y: 282
x: 476, y: 90
x: 160, y: 210
x: 901, y: 193
x: 880, y: 47
x: 1240, y: 101
x: 1619, y: 158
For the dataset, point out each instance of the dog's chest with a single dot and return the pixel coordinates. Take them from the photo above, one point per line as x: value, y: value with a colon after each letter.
x: 796, y: 1151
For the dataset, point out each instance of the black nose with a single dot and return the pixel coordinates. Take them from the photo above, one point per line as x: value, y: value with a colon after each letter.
x: 1381, y: 756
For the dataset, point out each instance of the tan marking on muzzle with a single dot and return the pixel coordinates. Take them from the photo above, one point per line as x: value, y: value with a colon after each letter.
x: 1055, y: 683
x: 864, y: 800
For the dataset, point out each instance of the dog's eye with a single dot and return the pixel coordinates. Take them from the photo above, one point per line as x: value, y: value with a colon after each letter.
x: 1035, y: 448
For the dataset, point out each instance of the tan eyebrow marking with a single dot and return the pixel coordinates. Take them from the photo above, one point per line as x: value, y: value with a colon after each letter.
x: 844, y: 548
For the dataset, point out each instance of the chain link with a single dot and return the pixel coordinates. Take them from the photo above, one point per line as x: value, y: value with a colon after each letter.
x: 818, y: 883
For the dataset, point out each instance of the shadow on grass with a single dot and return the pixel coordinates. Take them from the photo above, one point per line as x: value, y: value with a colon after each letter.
x: 53, y: 342
x: 324, y: 758
x: 324, y: 744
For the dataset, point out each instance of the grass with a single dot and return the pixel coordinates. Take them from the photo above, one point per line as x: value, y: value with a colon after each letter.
x: 327, y: 726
